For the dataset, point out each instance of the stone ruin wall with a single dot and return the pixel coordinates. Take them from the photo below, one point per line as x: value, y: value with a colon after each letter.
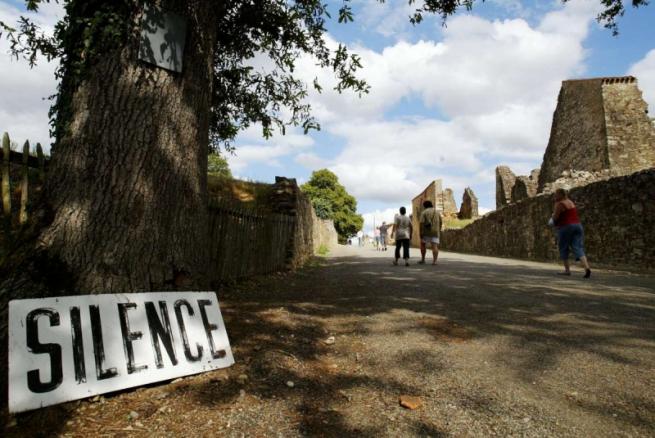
x: 309, y: 231
x: 444, y: 201
x: 577, y: 136
x: 630, y: 131
x: 505, y: 180
x: 601, y: 129
x: 602, y: 148
x: 281, y: 233
x: 618, y: 216
x: 433, y: 192
x: 324, y: 234
x: 469, y: 206
x: 449, y: 204
x: 525, y: 186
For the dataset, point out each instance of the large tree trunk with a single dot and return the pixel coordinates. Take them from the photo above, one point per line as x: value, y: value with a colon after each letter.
x: 126, y: 193
x: 127, y: 182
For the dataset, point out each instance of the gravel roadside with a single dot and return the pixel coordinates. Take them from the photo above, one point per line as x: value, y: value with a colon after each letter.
x: 481, y: 346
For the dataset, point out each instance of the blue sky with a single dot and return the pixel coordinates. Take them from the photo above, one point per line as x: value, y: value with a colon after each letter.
x: 446, y: 102
x: 463, y: 99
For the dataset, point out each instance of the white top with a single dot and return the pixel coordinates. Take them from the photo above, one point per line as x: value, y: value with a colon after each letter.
x: 401, y: 226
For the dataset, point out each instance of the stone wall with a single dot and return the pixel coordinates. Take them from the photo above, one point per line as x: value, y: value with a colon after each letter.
x: 577, y: 178
x: 577, y: 136
x: 525, y: 186
x: 449, y: 204
x: 505, y: 180
x: 288, y: 199
x: 630, y: 132
x: 599, y: 124
x: 247, y: 240
x: 469, y: 207
x: 618, y: 216
x: 323, y: 233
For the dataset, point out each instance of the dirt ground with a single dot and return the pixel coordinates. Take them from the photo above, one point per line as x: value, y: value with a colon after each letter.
x: 487, y: 347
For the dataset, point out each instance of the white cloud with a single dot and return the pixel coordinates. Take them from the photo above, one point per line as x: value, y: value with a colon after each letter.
x: 24, y: 91
x: 390, y: 19
x: 492, y: 85
x: 383, y: 182
x: 644, y: 71
x: 253, y: 149
x: 311, y: 160
x: 377, y: 217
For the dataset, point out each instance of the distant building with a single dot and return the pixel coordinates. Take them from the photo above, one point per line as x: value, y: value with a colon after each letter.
x: 443, y: 201
x: 601, y: 129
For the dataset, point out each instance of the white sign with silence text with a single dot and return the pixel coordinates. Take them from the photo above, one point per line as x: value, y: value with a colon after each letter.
x: 67, y: 348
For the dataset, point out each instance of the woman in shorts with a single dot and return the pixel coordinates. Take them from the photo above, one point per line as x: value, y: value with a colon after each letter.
x: 430, y: 231
x: 570, y: 234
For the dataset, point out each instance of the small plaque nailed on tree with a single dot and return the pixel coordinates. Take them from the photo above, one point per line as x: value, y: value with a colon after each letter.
x: 163, y: 35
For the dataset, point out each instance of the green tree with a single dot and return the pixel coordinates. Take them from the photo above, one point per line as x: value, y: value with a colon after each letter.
x: 333, y: 201
x: 217, y: 165
x: 132, y: 139
x: 323, y: 208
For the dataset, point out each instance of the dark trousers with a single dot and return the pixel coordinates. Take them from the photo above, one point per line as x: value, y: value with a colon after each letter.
x: 405, y: 244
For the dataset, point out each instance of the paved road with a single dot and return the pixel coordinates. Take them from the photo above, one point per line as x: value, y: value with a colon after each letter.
x: 489, y: 346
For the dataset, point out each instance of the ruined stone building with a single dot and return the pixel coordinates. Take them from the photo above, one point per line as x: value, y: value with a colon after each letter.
x: 505, y: 180
x: 526, y: 186
x: 469, y: 207
x: 444, y: 201
x: 599, y: 125
x: 601, y: 129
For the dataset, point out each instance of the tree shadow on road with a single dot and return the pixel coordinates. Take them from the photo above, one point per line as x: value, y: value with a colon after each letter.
x: 543, y: 319
x: 279, y: 328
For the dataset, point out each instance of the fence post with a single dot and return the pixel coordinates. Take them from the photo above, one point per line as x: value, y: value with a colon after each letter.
x: 22, y: 218
x: 41, y: 157
x: 6, y: 186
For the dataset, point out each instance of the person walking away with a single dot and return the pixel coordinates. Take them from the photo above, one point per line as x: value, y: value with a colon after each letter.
x: 384, y: 232
x: 376, y: 238
x: 402, y: 230
x: 570, y: 234
x: 429, y: 231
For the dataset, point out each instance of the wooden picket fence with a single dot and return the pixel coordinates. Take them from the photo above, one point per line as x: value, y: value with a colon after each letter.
x: 247, y: 242
x: 12, y: 163
x: 243, y: 241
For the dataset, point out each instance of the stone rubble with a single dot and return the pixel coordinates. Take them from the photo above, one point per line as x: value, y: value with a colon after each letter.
x: 469, y: 207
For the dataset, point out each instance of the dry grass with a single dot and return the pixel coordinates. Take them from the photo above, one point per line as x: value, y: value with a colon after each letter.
x: 456, y: 224
x: 252, y: 194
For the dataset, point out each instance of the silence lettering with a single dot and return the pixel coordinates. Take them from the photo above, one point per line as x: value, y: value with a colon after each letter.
x: 67, y: 348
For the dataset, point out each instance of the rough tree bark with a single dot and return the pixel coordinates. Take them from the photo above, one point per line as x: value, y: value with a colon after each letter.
x: 127, y: 184
x: 126, y: 190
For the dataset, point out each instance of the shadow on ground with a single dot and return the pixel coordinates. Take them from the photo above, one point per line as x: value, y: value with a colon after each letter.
x: 279, y: 326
